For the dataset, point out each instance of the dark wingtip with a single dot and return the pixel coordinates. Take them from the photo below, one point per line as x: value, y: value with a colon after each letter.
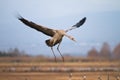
x: 18, y: 16
x: 84, y: 19
x: 81, y: 22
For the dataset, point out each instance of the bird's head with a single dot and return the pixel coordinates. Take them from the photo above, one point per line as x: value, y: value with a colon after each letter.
x: 70, y: 37
x: 73, y: 39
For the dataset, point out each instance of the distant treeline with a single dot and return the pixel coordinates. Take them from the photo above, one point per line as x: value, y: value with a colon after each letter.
x: 12, y: 53
x: 105, y: 52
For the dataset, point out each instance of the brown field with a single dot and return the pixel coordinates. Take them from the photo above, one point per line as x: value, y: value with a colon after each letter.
x: 35, y: 70
x: 57, y: 76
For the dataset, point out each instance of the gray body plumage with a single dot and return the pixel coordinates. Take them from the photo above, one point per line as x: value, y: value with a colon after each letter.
x: 56, y: 35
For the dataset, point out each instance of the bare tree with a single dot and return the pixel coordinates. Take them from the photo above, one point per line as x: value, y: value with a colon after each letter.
x: 105, y: 51
x: 116, y: 52
x: 93, y: 53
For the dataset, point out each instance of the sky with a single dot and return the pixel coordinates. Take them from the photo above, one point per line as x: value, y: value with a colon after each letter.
x: 102, y: 24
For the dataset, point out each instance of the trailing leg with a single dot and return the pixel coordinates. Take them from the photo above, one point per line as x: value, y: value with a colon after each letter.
x: 54, y: 54
x: 60, y: 52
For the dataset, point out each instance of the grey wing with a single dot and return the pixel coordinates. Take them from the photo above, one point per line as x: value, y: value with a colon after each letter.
x: 77, y: 25
x: 45, y: 30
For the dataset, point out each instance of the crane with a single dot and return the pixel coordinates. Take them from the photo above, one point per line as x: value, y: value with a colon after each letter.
x: 56, y: 35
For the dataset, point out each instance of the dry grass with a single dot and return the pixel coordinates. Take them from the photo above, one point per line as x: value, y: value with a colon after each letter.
x: 57, y: 76
x: 21, y: 74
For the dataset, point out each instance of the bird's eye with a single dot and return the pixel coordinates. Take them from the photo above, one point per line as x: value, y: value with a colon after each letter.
x: 72, y: 38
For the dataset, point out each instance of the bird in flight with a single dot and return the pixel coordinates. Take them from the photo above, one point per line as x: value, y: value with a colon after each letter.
x: 56, y: 35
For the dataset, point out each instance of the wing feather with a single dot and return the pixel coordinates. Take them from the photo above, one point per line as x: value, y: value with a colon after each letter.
x: 45, y: 30
x: 77, y: 25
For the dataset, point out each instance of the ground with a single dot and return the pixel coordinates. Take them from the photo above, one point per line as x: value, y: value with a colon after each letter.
x: 33, y: 70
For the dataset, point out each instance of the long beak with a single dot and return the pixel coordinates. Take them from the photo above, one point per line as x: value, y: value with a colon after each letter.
x: 70, y: 37
x: 74, y: 40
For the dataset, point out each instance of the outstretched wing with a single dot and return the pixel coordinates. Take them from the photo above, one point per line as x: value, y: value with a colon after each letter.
x: 45, y: 30
x: 77, y: 25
